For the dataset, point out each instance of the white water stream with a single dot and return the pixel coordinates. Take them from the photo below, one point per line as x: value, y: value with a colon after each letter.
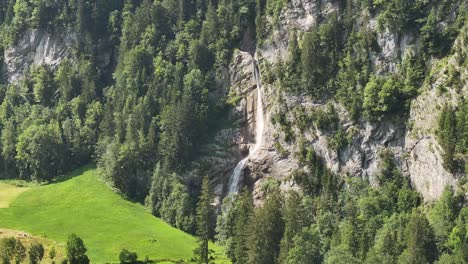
x: 259, y: 125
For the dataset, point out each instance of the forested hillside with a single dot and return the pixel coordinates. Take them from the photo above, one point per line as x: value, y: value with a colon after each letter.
x: 361, y: 155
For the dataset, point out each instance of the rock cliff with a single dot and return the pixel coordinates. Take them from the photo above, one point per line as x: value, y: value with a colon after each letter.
x: 37, y: 47
x: 413, y: 143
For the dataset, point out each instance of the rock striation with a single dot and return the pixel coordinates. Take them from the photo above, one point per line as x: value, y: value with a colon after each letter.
x: 415, y: 146
x: 37, y: 47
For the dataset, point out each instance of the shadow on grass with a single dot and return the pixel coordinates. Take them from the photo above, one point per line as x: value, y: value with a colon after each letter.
x: 74, y: 173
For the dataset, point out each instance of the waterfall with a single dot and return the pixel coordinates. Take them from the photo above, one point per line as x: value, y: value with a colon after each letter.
x: 259, y: 125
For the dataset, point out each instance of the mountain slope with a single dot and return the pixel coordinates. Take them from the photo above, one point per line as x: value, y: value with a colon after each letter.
x: 107, y: 223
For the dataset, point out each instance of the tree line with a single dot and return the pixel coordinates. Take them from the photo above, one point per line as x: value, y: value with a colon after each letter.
x: 345, y: 222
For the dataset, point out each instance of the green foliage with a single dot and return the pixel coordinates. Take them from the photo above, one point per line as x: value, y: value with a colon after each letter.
x: 52, y: 253
x: 40, y: 152
x: 35, y: 253
x: 348, y: 223
x: 457, y: 241
x: 452, y: 136
x: 327, y: 119
x: 289, y: 73
x: 319, y: 57
x: 339, y: 140
x: 42, y: 86
x: 139, y: 95
x: 51, y: 15
x: 76, y: 250
x: 420, y: 244
x: 316, y: 179
x: 267, y: 231
x: 341, y: 256
x: 307, y: 247
x: 398, y: 15
x: 380, y: 96
x: 205, y: 223
x: 295, y: 219
x: 127, y: 257
x: 389, y: 240
x: 169, y: 200
x: 12, y: 250
x: 434, y: 40
x: 355, y: 68
x: 242, y: 228
x: 443, y: 214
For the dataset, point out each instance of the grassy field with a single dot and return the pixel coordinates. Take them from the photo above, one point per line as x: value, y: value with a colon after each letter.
x: 107, y: 223
x: 8, y: 194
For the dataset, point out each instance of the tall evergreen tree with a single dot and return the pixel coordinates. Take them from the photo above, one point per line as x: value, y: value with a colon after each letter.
x: 420, y: 242
x: 76, y: 250
x: 243, y: 228
x: 447, y: 136
x: 204, y: 222
x: 295, y: 219
x: 267, y: 231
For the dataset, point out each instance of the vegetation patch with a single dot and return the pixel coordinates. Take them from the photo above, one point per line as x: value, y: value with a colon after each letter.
x: 57, y: 249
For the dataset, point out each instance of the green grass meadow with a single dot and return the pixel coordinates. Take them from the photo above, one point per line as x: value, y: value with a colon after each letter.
x: 107, y: 223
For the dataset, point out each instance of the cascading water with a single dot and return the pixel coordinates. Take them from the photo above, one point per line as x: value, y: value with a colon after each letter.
x: 259, y: 125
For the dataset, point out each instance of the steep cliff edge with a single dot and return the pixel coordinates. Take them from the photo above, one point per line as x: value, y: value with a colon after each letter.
x: 37, y: 47
x: 425, y: 165
x: 413, y: 140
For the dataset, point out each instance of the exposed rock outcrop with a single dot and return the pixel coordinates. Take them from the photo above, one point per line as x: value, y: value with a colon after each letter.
x: 37, y: 47
x: 416, y: 149
x: 424, y: 154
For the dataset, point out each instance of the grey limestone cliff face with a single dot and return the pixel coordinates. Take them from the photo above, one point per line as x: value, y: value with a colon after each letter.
x: 37, y: 47
x: 413, y: 143
x: 424, y: 154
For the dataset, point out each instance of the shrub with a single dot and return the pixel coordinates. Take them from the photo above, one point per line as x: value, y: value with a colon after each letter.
x: 126, y: 256
x: 36, y: 253
x: 76, y: 250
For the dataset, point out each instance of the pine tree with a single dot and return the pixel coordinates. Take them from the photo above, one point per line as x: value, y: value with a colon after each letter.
x: 447, y: 136
x: 294, y: 53
x: 429, y: 35
x: 76, y: 250
x: 209, y: 33
x: 242, y: 229
x: 420, y: 246
x: 309, y: 60
x: 267, y: 231
x: 153, y: 201
x: 295, y: 220
x: 443, y: 214
x: 204, y: 222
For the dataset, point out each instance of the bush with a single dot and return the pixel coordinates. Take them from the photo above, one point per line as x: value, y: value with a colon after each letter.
x: 382, y: 96
x: 76, y: 250
x: 327, y: 119
x: 126, y: 256
x: 36, y: 253
x: 11, y: 250
x: 339, y: 140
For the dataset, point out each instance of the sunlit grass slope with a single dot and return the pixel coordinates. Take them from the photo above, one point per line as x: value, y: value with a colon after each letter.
x: 8, y: 194
x: 107, y: 223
